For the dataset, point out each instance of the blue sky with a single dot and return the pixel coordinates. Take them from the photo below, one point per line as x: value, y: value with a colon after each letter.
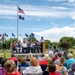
x: 51, y: 19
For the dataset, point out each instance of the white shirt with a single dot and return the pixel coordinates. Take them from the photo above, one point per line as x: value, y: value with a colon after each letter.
x: 24, y: 44
x: 42, y: 40
x: 32, y: 70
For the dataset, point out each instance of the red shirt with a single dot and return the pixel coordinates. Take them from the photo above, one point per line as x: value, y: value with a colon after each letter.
x: 54, y: 73
x: 17, y: 73
x: 55, y: 58
x: 43, y: 62
x: 14, y: 58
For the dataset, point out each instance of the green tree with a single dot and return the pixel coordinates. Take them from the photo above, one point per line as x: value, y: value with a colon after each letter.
x: 65, y: 45
x: 48, y: 44
x: 70, y: 40
x: 31, y: 38
x: 55, y: 43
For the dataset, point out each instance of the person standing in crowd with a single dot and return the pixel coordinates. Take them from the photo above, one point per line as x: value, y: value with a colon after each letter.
x: 41, y: 41
x: 24, y: 47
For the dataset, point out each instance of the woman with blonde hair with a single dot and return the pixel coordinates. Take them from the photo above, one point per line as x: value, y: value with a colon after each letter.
x: 60, y: 68
x: 34, y: 67
x: 10, y: 68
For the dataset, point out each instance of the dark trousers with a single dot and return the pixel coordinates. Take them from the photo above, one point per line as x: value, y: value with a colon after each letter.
x: 24, y: 50
x: 41, y: 48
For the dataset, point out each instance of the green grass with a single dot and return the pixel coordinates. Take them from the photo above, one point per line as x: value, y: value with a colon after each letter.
x: 73, y: 50
x: 6, y: 54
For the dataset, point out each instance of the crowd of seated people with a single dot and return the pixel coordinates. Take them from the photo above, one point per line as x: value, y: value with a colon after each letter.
x: 63, y: 64
x: 26, y: 47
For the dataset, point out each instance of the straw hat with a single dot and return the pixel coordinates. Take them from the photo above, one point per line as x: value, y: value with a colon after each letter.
x: 46, y: 57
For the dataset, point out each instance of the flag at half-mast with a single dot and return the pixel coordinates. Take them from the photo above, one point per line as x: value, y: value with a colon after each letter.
x: 20, y: 10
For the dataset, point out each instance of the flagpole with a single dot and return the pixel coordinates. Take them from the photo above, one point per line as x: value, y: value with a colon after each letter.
x: 17, y: 23
x: 11, y: 46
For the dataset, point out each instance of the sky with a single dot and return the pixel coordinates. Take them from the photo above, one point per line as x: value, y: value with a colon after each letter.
x: 51, y: 19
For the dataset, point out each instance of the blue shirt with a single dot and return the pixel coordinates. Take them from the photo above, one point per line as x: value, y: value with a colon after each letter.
x: 23, y: 65
x: 69, y: 61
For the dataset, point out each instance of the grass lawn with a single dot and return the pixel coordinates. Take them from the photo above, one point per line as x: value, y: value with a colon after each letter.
x: 8, y: 53
x: 73, y: 50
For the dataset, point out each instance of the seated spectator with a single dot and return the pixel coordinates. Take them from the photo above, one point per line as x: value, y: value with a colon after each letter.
x: 55, y: 56
x: 34, y: 67
x: 72, y: 69
x: 65, y: 55
x: 2, y: 70
x: 14, y: 47
x: 24, y: 47
x: 70, y: 61
x: 57, y: 61
x: 10, y: 68
x: 45, y: 60
x: 30, y: 56
x: 23, y: 63
x: 40, y: 57
x: 14, y: 58
x: 60, y: 68
x: 52, y: 68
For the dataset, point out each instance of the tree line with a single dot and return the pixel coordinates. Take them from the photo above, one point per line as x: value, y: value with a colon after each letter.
x: 65, y: 42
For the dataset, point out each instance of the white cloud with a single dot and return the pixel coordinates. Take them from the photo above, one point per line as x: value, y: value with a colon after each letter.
x: 38, y: 11
x: 54, y: 34
x: 73, y: 17
x: 7, y: 27
x: 71, y: 1
x: 9, y: 1
x: 56, y: 0
x: 35, y: 29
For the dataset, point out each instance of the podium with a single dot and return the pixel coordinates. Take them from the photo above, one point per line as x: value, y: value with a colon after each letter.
x: 43, y: 47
